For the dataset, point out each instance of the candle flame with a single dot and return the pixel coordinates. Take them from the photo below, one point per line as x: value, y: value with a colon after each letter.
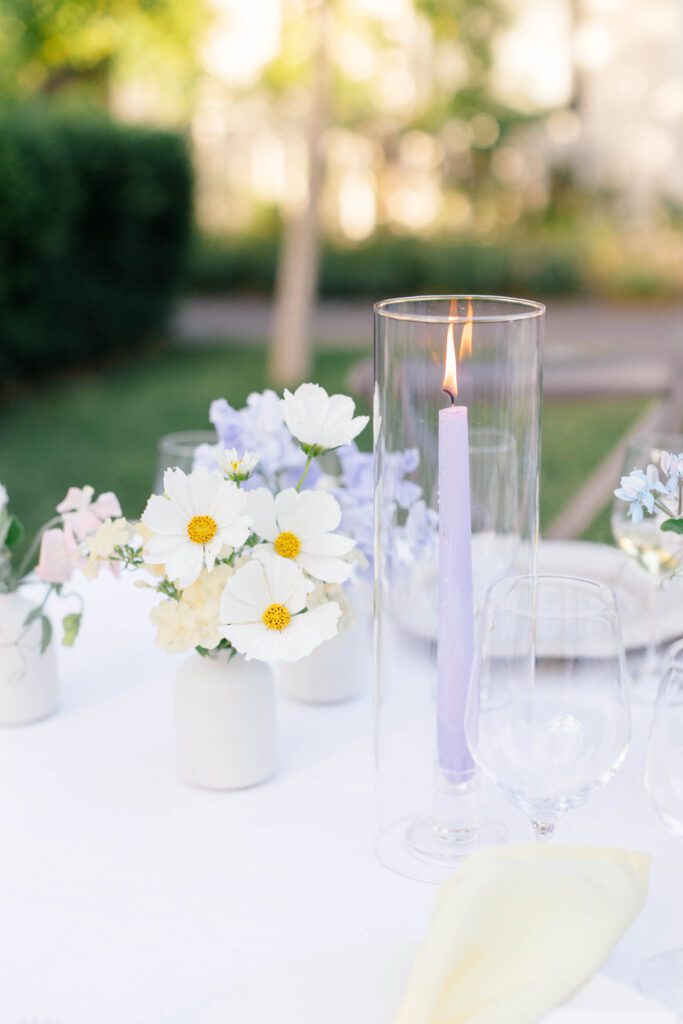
x: 450, y: 376
x: 466, y: 336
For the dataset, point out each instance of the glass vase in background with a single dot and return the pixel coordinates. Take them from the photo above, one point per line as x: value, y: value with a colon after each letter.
x: 548, y: 712
x: 454, y: 512
x: 656, y: 552
x: 662, y: 976
x: 178, y: 451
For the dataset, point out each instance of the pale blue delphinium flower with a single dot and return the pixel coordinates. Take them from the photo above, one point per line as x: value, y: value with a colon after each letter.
x: 355, y: 492
x: 417, y: 538
x: 639, y: 489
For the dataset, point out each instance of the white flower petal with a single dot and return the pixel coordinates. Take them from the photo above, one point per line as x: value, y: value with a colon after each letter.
x: 329, y: 570
x: 307, y: 514
x: 176, y: 487
x: 309, y: 630
x: 185, y: 564
x: 246, y: 595
x: 286, y: 583
x: 261, y: 506
x: 163, y: 517
x: 329, y: 545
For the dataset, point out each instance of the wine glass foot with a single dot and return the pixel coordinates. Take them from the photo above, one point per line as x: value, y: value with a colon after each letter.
x: 662, y: 979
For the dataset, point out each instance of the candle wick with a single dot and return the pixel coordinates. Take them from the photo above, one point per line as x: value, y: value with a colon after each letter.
x: 450, y: 395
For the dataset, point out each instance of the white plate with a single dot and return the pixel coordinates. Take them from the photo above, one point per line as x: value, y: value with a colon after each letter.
x: 364, y: 986
x: 630, y: 583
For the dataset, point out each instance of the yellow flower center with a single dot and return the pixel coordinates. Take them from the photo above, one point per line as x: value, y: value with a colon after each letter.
x: 277, y: 616
x: 202, y: 529
x: 235, y: 466
x: 288, y: 545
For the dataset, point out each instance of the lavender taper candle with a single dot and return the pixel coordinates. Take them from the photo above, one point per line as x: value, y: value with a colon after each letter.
x: 456, y: 614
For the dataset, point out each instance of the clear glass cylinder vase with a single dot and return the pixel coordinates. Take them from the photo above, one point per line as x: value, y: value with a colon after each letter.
x: 457, y: 432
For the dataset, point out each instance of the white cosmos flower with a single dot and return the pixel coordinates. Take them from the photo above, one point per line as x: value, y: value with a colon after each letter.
x: 263, y: 612
x: 298, y: 528
x: 321, y: 421
x: 236, y: 467
x: 200, y: 517
x: 4, y: 497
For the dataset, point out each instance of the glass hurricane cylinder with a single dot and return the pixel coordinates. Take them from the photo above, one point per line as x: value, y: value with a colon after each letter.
x: 456, y: 438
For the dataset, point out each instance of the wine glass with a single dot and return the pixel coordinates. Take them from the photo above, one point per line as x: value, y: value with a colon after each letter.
x: 548, y: 717
x: 656, y: 552
x: 178, y: 450
x: 662, y: 976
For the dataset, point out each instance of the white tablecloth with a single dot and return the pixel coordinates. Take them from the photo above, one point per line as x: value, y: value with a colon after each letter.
x: 126, y: 895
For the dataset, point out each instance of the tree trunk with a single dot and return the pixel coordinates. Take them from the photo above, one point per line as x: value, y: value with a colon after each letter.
x: 297, y: 278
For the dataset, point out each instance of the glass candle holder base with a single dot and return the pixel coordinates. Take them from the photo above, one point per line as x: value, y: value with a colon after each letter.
x: 435, y: 844
x: 417, y: 849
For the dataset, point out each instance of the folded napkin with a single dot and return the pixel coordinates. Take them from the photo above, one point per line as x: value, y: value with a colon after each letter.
x: 517, y: 930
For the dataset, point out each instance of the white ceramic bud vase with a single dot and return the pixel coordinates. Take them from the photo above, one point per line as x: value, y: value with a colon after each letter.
x: 338, y: 670
x: 29, y: 680
x: 225, y: 722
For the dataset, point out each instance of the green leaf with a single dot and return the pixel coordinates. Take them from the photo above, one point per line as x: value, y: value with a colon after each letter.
x: 15, y: 533
x: 46, y: 635
x: 71, y: 624
x: 672, y: 526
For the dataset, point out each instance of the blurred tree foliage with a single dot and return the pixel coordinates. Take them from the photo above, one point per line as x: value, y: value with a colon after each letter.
x: 77, y: 46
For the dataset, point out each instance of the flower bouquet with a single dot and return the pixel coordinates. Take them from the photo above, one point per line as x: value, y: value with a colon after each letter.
x: 245, y: 573
x: 287, y: 434
x: 78, y: 538
x: 655, y: 506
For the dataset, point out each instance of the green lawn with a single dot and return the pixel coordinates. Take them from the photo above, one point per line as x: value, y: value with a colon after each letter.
x: 102, y: 428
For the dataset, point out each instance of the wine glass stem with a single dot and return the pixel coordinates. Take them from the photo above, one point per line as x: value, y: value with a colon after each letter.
x: 543, y: 831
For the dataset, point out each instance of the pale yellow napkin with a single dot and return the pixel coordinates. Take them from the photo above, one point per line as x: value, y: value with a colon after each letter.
x: 517, y: 930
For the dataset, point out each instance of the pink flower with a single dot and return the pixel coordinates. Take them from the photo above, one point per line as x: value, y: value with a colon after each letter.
x: 83, y: 515
x: 59, y: 556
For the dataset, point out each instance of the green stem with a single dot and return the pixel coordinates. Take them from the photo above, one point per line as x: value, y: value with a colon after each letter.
x: 309, y: 460
x: 662, y: 507
x: 28, y: 557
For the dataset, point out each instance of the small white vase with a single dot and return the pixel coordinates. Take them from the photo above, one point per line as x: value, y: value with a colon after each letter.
x: 225, y: 722
x: 338, y: 670
x: 29, y: 681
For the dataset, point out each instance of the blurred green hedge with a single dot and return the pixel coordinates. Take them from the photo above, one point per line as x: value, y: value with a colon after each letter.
x: 390, y: 265
x: 94, y: 230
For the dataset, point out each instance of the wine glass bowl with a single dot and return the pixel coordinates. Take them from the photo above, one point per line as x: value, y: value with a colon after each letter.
x: 548, y: 715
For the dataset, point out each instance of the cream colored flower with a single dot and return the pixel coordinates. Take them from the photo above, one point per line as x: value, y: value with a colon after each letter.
x: 263, y: 612
x: 235, y: 466
x: 324, y: 592
x: 202, y: 517
x: 300, y: 528
x: 177, y: 626
x: 193, y: 621
x: 113, y: 533
x: 321, y: 421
